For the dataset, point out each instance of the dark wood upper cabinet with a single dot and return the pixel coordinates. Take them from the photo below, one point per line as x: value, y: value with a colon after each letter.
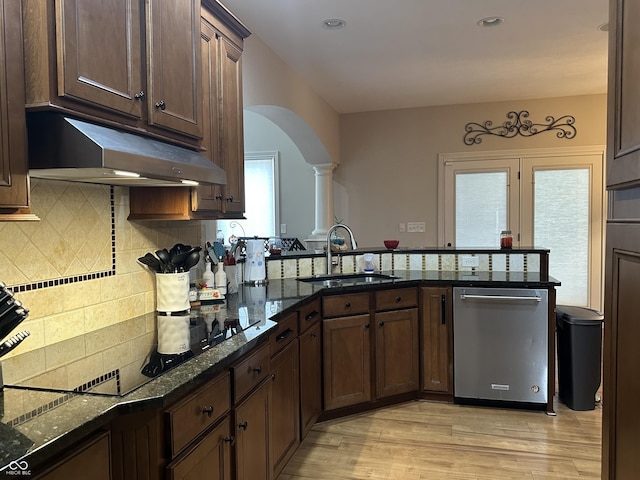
x: 14, y: 179
x: 173, y: 63
x: 99, y: 55
x: 134, y: 64
x: 623, y: 149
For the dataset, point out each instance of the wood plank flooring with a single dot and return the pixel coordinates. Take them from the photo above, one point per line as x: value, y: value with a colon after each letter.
x: 432, y: 441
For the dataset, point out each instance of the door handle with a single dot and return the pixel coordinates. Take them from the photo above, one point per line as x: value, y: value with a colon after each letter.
x: 443, y: 309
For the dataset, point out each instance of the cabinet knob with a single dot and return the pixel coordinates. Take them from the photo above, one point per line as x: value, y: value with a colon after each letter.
x: 381, y: 324
x: 398, y: 299
x: 139, y: 95
x: 161, y: 105
x: 366, y: 325
x: 313, y: 335
x: 230, y: 199
x: 208, y: 410
x: 347, y: 305
x: 243, y: 425
x: 219, y: 196
x: 256, y: 369
x: 230, y: 440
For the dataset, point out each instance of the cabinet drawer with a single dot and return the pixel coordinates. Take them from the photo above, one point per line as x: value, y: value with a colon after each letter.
x: 194, y: 414
x: 309, y: 315
x: 286, y: 331
x: 396, y: 298
x: 340, y: 305
x: 251, y: 371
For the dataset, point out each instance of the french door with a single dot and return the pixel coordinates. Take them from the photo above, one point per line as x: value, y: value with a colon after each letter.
x: 548, y: 199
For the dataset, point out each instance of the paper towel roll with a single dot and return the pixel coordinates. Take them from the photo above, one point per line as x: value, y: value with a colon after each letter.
x: 254, y: 265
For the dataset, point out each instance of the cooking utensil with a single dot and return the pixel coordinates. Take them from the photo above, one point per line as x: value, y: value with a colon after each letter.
x: 219, y: 250
x: 165, y: 258
x: 12, y: 342
x: 12, y: 318
x: 192, y: 260
x: 152, y: 262
x: 179, y: 259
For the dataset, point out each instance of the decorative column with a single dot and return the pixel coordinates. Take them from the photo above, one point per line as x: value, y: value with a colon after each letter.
x: 324, y: 205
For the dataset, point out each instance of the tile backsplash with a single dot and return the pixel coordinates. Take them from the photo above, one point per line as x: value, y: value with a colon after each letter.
x: 76, y: 270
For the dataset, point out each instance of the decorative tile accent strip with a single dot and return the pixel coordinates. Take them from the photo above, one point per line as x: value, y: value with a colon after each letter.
x: 40, y: 410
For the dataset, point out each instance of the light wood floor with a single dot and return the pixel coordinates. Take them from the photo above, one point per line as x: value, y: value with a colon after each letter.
x: 432, y: 441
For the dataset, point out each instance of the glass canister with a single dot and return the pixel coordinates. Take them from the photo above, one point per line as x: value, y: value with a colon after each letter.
x: 506, y: 239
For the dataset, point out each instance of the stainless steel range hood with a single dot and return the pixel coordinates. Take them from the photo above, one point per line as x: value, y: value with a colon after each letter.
x: 64, y: 148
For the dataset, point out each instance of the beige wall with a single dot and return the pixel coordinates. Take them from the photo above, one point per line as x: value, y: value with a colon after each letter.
x: 267, y: 80
x: 389, y: 173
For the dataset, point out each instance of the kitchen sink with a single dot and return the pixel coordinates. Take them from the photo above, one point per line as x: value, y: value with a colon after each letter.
x: 345, y: 279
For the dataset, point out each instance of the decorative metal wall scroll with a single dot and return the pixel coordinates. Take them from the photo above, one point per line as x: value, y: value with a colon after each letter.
x: 518, y: 123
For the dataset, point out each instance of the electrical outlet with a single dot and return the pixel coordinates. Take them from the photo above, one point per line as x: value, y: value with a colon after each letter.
x: 415, y: 227
x: 470, y: 261
x: 402, y: 227
x: 283, y: 228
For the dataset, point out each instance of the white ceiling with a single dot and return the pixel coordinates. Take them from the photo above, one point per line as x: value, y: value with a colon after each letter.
x: 409, y: 53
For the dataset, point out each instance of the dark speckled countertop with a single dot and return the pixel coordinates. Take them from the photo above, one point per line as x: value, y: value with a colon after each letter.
x: 47, y: 431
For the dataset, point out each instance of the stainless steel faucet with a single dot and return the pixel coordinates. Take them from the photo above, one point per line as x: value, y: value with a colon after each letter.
x: 331, y: 230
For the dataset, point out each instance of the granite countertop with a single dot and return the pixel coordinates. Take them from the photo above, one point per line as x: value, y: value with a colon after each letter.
x: 37, y: 434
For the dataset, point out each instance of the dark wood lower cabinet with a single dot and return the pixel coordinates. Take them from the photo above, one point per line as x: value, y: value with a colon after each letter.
x: 310, y: 378
x: 284, y: 431
x: 252, y: 434
x: 397, y: 352
x: 209, y: 458
x: 437, y: 339
x: 346, y: 361
x: 91, y: 460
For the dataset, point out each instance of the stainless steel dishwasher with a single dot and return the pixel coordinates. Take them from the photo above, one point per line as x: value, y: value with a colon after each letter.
x: 500, y: 345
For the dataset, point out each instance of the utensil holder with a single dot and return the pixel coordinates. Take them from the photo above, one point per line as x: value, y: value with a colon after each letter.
x: 172, y: 292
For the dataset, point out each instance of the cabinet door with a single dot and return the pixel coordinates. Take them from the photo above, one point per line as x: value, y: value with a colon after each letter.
x: 92, y: 458
x: 252, y: 435
x: 397, y: 352
x: 231, y: 131
x: 437, y: 349
x: 14, y: 181
x: 173, y: 63
x: 310, y: 378
x: 346, y: 361
x: 623, y: 152
x: 284, y: 430
x: 99, y: 54
x: 210, y: 458
x: 209, y: 197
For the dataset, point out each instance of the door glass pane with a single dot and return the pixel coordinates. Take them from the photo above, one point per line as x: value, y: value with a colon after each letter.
x: 561, y: 224
x: 481, y: 208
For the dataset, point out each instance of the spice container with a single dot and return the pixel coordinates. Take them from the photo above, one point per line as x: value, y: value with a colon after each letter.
x: 506, y: 239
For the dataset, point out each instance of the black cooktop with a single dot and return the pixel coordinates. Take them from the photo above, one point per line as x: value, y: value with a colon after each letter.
x: 205, y: 331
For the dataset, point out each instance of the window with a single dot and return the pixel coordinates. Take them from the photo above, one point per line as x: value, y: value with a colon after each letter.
x: 261, y: 198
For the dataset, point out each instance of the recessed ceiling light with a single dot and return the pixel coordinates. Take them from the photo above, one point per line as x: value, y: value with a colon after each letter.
x: 333, y: 23
x: 604, y: 27
x: 490, y: 22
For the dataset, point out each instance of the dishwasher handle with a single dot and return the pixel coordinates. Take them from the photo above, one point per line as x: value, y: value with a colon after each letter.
x: 465, y: 296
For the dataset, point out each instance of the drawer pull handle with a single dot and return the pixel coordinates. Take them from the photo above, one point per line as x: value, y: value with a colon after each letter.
x: 284, y: 334
x: 161, y: 105
x: 230, y: 440
x: 257, y: 370
x: 139, y: 95
x: 311, y: 315
x: 208, y: 410
x: 243, y: 425
x: 398, y: 299
x: 443, y: 307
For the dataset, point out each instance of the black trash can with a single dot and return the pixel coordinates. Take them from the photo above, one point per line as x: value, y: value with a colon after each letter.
x: 579, y: 355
